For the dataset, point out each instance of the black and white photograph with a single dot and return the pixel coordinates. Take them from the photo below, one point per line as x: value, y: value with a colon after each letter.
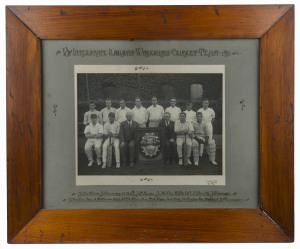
x: 150, y: 124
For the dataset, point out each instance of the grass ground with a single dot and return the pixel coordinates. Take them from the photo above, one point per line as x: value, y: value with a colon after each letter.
x: 158, y: 168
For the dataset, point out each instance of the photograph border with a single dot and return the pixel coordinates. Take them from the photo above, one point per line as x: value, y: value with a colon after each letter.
x: 199, y: 180
x: 273, y: 25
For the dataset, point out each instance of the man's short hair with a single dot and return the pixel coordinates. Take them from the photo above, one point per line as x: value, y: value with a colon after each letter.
x: 189, y: 103
x: 92, y: 102
x: 154, y: 97
x: 111, y: 114
x: 167, y: 113
x: 182, y: 113
x: 108, y: 100
x: 199, y: 113
x: 129, y: 113
x: 205, y: 100
x: 122, y: 100
x: 138, y: 98
x: 173, y: 98
x: 94, y: 115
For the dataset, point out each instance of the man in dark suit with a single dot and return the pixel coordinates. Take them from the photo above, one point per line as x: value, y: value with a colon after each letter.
x: 170, y: 137
x: 127, y: 136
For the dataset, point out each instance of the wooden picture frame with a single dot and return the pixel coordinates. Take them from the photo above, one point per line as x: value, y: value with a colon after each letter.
x: 28, y: 222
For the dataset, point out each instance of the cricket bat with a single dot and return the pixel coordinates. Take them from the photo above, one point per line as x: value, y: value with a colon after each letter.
x: 109, y: 154
x: 185, y: 158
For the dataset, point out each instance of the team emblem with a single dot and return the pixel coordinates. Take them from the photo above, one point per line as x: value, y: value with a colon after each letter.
x: 150, y: 145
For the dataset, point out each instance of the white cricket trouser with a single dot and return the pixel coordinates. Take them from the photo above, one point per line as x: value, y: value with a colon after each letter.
x: 116, y: 143
x: 211, y: 149
x: 209, y: 130
x: 180, y: 141
x: 90, y: 143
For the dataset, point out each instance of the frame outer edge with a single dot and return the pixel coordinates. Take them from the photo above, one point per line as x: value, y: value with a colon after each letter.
x: 266, y: 204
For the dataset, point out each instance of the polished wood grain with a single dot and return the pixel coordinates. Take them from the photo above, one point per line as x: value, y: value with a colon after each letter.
x: 28, y: 223
x: 24, y: 152
x: 277, y: 122
x: 149, y: 22
x: 156, y: 225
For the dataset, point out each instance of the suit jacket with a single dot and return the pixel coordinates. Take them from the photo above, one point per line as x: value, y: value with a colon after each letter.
x: 169, y: 130
x: 127, y: 132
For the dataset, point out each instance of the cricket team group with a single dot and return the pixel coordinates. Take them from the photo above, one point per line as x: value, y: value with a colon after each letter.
x: 117, y: 127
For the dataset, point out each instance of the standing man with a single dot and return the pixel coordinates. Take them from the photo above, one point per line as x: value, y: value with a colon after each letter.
x: 190, y: 114
x: 121, y: 112
x: 93, y: 132
x: 200, y: 139
x: 183, y: 131
x: 127, y: 136
x: 208, y: 116
x: 105, y: 111
x: 170, y: 137
x: 155, y: 113
x: 111, y: 134
x: 173, y: 110
x: 87, y: 115
x: 139, y: 113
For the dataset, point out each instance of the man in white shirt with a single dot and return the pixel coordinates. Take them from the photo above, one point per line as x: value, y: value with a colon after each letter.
x: 121, y: 112
x: 93, y: 132
x: 208, y: 116
x: 183, y: 131
x: 105, y: 111
x: 155, y: 113
x: 111, y: 134
x: 173, y: 110
x: 190, y: 114
x: 139, y: 113
x: 87, y: 115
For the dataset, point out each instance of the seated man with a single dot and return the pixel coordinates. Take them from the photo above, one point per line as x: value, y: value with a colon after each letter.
x: 201, y: 137
x: 93, y: 132
x: 127, y: 136
x: 170, y: 136
x: 111, y: 134
x: 184, y: 131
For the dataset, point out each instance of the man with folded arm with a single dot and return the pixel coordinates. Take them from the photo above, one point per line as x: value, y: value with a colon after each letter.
x: 94, y: 133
